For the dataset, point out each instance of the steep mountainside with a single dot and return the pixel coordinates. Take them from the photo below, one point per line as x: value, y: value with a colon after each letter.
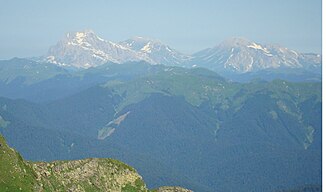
x: 185, y: 127
x: 241, y: 55
x: 85, y: 49
x: 235, y: 55
x: 15, y: 174
x: 157, y: 51
x: 77, y: 175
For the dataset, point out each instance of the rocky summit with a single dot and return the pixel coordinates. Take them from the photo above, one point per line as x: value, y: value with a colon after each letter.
x: 85, y: 49
x: 242, y: 55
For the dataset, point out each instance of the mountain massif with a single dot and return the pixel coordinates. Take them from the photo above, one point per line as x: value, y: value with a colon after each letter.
x: 241, y: 116
x: 176, y: 126
x: 237, y: 58
x: 241, y: 55
x: 85, y: 49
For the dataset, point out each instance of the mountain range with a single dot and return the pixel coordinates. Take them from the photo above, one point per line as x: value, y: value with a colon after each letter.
x: 241, y: 116
x: 177, y: 126
x: 85, y: 49
x: 235, y: 55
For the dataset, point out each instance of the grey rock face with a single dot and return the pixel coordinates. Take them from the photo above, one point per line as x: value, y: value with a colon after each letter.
x: 156, y: 51
x: 85, y: 49
x: 242, y: 55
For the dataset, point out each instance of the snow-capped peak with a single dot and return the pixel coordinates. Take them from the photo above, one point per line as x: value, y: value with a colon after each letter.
x: 85, y: 37
x: 80, y: 37
x: 235, y: 42
x: 242, y: 55
x: 86, y: 49
x: 156, y: 50
x: 138, y: 43
x: 255, y: 46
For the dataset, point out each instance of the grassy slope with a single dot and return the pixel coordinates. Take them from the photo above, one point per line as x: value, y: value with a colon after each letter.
x: 78, y: 175
x: 15, y: 174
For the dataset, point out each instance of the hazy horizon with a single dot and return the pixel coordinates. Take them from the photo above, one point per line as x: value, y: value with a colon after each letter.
x: 30, y: 28
x: 218, y: 95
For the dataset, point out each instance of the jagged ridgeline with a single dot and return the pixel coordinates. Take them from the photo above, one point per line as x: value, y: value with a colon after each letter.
x: 92, y: 174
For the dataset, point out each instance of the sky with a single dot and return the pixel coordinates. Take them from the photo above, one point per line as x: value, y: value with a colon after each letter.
x: 29, y: 28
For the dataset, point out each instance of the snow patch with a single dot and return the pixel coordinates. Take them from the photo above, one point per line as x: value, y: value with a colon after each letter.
x: 259, y: 47
x: 268, y: 54
x: 99, y: 38
x: 229, y: 58
x: 167, y: 48
x: 80, y: 37
x: 251, y: 62
x: 294, y: 52
x: 147, y: 48
x: 51, y: 59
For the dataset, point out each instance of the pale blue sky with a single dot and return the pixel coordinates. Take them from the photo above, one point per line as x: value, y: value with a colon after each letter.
x: 28, y: 28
